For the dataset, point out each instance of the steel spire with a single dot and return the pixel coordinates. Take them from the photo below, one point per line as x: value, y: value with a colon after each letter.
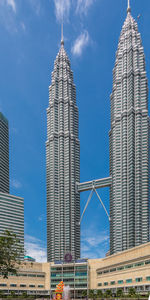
x: 62, y: 33
x: 129, y: 8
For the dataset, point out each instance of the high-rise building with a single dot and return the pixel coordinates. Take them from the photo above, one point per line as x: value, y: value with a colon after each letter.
x: 11, y: 207
x: 129, y: 146
x: 4, y: 155
x: 12, y: 216
x: 62, y: 164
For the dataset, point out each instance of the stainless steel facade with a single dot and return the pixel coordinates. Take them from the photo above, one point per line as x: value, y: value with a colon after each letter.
x: 4, y: 155
x: 62, y: 163
x: 12, y: 216
x: 129, y: 145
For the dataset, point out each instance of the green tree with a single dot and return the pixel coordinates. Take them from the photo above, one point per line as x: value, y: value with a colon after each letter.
x: 84, y: 293
x: 108, y: 294
x: 91, y: 294
x: 1, y: 294
x: 132, y: 292
x: 24, y: 295
x: 10, y: 253
x: 99, y: 294
x: 12, y: 295
x: 120, y: 293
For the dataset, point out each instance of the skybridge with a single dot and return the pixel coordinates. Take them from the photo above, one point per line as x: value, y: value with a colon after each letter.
x: 93, y: 186
x: 97, y: 184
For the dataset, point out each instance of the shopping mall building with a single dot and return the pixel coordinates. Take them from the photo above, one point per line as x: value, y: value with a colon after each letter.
x: 130, y: 268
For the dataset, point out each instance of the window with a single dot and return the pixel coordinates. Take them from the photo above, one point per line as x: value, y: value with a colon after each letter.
x: 128, y: 280
x: 139, y: 279
x: 148, y: 278
x: 139, y: 264
x: 3, y: 284
x: 99, y: 284
x: 40, y: 275
x: 99, y: 273
x: 31, y: 275
x: 112, y: 282
x: 40, y: 286
x: 32, y: 285
x: 105, y: 283
x: 120, y: 281
x: 129, y: 266
x: 23, y: 285
x: 13, y: 285
x: 147, y: 262
x: 113, y: 270
x: 120, y: 268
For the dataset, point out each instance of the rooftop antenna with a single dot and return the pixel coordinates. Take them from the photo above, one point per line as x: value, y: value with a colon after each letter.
x: 62, y: 33
x: 129, y: 8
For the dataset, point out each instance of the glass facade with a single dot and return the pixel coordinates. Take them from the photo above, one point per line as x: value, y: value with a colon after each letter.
x: 12, y: 216
x: 4, y: 154
x: 72, y: 274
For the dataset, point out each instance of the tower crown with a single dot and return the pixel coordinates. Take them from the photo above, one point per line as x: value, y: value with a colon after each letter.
x: 129, y: 8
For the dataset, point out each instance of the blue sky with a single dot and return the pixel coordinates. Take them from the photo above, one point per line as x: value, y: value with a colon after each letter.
x: 30, y: 40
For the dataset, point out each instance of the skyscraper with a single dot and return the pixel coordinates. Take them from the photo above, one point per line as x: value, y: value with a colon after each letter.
x: 4, y: 154
x: 12, y: 216
x: 11, y: 207
x: 129, y: 199
x: 62, y: 163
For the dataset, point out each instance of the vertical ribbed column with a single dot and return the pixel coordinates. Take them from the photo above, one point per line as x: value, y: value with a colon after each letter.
x: 63, y: 163
x: 129, y: 200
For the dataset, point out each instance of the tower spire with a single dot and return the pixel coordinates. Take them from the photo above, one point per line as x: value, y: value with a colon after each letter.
x: 129, y: 8
x: 62, y: 33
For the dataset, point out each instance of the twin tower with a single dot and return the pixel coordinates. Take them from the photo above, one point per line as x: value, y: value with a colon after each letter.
x: 129, y: 152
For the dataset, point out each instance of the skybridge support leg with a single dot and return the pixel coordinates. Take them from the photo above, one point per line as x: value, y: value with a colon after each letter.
x: 102, y: 203
x: 89, y: 198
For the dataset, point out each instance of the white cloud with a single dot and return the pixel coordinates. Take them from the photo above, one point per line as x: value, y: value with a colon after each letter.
x: 94, y: 246
x: 62, y: 9
x: 23, y: 26
x: 8, y: 15
x: 80, y: 43
x: 16, y: 184
x: 96, y: 240
x: 12, y: 4
x: 83, y: 6
x: 35, y: 248
x: 41, y: 217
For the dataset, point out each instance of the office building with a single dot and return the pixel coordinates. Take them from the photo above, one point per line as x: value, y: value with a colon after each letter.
x: 62, y: 163
x: 129, y: 163
x: 12, y: 216
x: 4, y: 154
